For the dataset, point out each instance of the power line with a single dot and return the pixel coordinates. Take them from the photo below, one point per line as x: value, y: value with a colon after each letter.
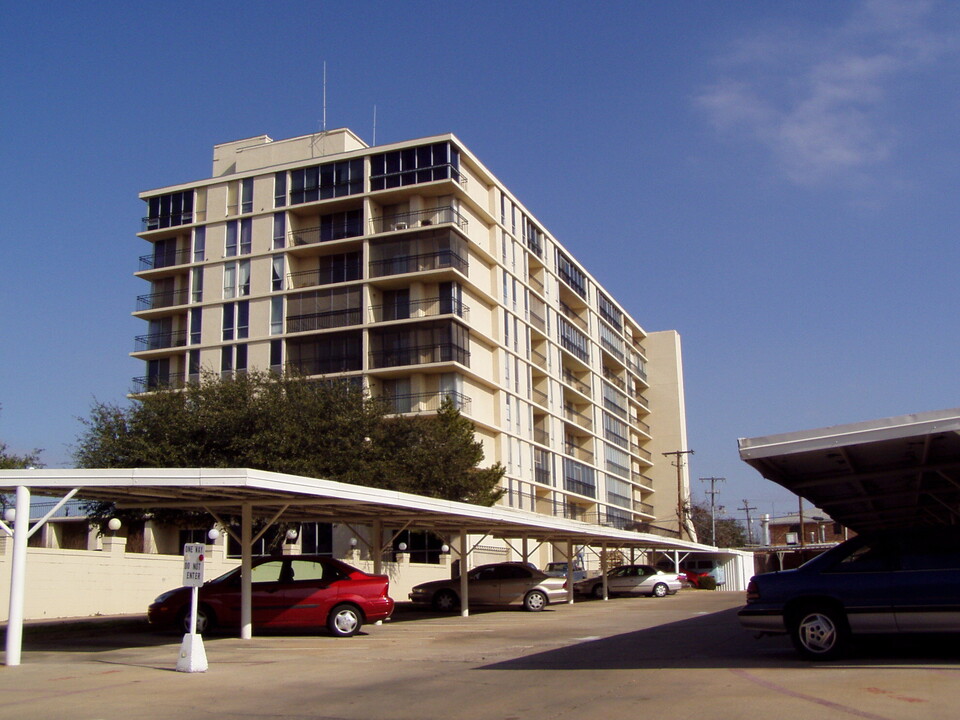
x: 712, y: 492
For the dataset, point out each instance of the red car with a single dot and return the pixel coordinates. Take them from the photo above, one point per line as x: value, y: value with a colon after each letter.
x: 288, y: 591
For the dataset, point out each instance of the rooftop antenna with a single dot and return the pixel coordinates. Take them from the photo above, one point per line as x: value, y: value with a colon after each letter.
x: 323, y: 121
x: 374, y: 125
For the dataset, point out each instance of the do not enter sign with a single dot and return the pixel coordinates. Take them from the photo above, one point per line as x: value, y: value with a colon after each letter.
x: 193, y: 564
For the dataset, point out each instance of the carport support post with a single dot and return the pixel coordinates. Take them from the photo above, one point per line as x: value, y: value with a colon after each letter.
x: 464, y: 591
x: 18, y: 573
x: 570, y: 572
x: 603, y: 571
x: 377, y: 547
x: 246, y: 570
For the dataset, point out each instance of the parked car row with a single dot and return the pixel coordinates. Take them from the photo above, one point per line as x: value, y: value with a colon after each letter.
x: 318, y: 591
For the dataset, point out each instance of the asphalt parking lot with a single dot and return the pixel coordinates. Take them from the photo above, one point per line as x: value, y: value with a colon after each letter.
x: 678, y: 657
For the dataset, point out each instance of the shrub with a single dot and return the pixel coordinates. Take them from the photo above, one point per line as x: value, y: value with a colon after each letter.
x: 708, y: 583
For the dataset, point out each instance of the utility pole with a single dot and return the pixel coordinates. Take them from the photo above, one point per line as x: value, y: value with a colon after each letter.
x: 746, y: 508
x: 681, y: 510
x: 712, y: 492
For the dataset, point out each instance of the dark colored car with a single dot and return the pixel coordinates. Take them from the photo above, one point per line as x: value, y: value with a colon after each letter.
x: 289, y: 591
x: 898, y: 581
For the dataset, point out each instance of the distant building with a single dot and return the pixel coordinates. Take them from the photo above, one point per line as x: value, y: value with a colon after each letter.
x: 790, y: 540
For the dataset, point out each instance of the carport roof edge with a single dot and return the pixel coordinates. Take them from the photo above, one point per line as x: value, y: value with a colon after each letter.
x: 230, y: 488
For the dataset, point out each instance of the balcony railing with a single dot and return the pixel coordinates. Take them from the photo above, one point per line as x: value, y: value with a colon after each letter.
x: 542, y: 476
x: 611, y: 378
x: 579, y: 418
x: 539, y: 359
x: 570, y: 379
x: 329, y: 276
x: 418, y: 218
x: 612, y: 348
x: 173, y: 381
x: 536, y: 283
x: 538, y: 322
x: 165, y: 221
x: 643, y: 507
x: 539, y: 397
x: 160, y: 341
x: 641, y: 479
x: 155, y: 261
x: 427, y: 402
x: 420, y: 355
x: 431, y: 173
x: 541, y: 436
x: 430, y: 307
x: 402, y: 264
x: 326, y: 233
x: 637, y: 450
x: 323, y: 320
x: 578, y: 452
x: 170, y: 298
x: 573, y: 317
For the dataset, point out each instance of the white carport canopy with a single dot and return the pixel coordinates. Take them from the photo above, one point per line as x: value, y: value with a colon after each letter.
x: 893, y: 472
x: 255, y: 493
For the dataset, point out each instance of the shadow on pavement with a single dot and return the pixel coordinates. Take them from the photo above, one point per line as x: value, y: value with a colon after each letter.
x: 717, y: 641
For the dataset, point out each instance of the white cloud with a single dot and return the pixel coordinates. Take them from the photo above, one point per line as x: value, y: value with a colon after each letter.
x: 817, y: 101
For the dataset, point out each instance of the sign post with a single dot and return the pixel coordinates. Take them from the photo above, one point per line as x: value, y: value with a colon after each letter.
x: 192, y: 658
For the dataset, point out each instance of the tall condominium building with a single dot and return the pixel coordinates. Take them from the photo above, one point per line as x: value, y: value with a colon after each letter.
x: 410, y: 268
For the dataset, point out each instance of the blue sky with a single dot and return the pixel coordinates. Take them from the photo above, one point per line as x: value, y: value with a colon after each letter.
x: 776, y: 181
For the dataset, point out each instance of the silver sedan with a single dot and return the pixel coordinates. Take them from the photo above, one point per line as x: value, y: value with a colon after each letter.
x: 497, y: 584
x: 632, y: 580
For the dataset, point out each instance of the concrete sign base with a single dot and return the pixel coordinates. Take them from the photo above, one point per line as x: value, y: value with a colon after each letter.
x: 192, y: 658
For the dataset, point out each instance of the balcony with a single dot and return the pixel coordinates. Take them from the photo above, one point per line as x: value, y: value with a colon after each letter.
x: 642, y: 507
x: 430, y: 307
x: 426, y: 402
x: 542, y: 436
x: 160, y: 341
x: 165, y: 221
x: 571, y: 380
x: 403, y: 264
x: 577, y: 417
x: 578, y: 452
x: 536, y: 283
x: 538, y: 322
x: 637, y: 450
x: 573, y: 317
x: 326, y: 233
x: 323, y: 320
x: 418, y: 218
x: 540, y: 397
x: 538, y: 359
x: 155, y: 261
x: 328, y: 276
x: 169, y: 298
x: 173, y: 381
x: 419, y: 355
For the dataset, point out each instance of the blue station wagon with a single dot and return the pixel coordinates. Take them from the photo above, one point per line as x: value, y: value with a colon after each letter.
x: 895, y: 581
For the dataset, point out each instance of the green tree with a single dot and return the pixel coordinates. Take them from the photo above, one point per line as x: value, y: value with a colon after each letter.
x: 730, y: 533
x: 296, y: 426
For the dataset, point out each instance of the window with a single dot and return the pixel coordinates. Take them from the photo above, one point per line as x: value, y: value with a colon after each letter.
x: 320, y: 182
x: 609, y: 311
x: 243, y: 273
x: 440, y: 161
x: 579, y: 478
x: 279, y: 230
x: 243, y: 319
x: 276, y: 281
x: 228, y: 318
x: 573, y: 340
x: 246, y: 195
x: 571, y: 275
x: 617, y: 461
x: 276, y: 355
x: 276, y: 315
x: 241, y: 358
x: 246, y: 236
x: 230, y: 242
x: 280, y: 189
x: 194, y: 365
x: 196, y: 314
x: 226, y: 359
x: 196, y: 289
x: 199, y: 243
x: 229, y: 280
x: 615, y: 431
x: 165, y: 211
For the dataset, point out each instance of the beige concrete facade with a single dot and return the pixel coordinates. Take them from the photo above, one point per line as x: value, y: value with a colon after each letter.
x: 411, y: 269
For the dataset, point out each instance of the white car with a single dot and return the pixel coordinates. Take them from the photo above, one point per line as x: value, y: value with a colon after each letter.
x: 559, y: 569
x: 497, y: 584
x: 632, y: 580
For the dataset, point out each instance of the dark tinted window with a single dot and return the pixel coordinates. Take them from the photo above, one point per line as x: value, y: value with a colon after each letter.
x: 871, y: 556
